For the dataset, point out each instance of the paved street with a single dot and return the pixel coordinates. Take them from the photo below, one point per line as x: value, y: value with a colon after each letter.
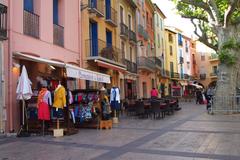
x: 188, y: 134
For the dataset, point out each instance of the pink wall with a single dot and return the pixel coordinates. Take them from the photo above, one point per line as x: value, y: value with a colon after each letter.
x: 44, y: 47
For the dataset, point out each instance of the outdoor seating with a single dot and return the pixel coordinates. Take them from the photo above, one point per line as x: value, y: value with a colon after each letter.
x: 158, y: 110
x: 140, y: 111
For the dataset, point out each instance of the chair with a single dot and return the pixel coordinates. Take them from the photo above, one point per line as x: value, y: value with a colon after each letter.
x: 130, y: 109
x: 140, y: 111
x: 157, y: 110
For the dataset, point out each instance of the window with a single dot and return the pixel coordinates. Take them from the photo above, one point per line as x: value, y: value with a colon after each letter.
x: 161, y: 24
x: 202, y: 57
x: 157, y: 20
x: 130, y: 22
x: 55, y: 11
x: 159, y: 43
x: 170, y: 37
x: 171, y: 67
x: 171, y: 50
x: 180, y: 42
x: 131, y: 57
x: 28, y: 6
x: 121, y: 15
x: 215, y: 69
x: 151, y: 21
x: 123, y: 49
x: 186, y: 46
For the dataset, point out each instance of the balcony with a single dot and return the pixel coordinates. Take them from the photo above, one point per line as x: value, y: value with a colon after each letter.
x: 157, y: 61
x: 3, y: 22
x: 145, y: 63
x: 98, y: 50
x: 124, y: 31
x: 142, y: 32
x: 186, y: 76
x: 132, y: 37
x: 96, y: 7
x: 175, y: 75
x: 203, y: 76
x: 213, y: 75
x: 58, y: 35
x: 213, y: 58
x: 30, y: 24
x: 131, y: 66
x: 111, y: 16
x: 181, y: 60
x: 165, y: 73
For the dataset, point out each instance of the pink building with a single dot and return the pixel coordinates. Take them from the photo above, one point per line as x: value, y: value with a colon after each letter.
x: 43, y: 35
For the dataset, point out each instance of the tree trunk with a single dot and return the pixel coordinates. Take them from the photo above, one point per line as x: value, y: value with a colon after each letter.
x: 228, y: 76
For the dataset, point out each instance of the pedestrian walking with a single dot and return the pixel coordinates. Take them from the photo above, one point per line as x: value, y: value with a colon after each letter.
x: 154, y: 93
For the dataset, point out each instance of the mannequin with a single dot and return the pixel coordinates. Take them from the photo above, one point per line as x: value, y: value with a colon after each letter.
x: 44, y: 101
x: 59, y: 102
x: 115, y: 102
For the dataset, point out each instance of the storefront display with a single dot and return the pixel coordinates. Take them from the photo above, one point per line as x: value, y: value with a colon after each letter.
x: 57, y: 99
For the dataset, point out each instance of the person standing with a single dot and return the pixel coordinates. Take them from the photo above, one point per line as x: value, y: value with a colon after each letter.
x: 154, y: 93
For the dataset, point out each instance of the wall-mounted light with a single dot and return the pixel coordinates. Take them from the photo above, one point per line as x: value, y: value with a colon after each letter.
x: 52, y: 67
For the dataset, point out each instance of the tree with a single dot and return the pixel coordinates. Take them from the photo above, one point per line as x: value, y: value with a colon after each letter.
x: 217, y: 24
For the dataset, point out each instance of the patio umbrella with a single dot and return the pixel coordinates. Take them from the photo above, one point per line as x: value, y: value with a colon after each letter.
x: 24, y: 90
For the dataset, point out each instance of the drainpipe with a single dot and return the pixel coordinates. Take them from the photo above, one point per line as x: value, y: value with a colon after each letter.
x: 10, y: 79
x: 2, y: 92
x: 80, y: 35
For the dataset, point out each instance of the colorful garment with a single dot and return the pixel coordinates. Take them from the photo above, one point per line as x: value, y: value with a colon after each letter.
x: 59, y: 97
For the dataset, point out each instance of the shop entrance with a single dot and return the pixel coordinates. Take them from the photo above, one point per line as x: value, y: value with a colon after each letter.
x: 144, y: 84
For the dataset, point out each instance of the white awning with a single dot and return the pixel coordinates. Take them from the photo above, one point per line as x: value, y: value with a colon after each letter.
x: 38, y: 59
x: 72, y: 71
x: 77, y: 72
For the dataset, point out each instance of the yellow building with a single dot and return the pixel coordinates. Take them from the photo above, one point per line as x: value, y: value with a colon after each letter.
x: 128, y: 40
x: 159, y: 36
x: 171, y: 61
x: 100, y: 40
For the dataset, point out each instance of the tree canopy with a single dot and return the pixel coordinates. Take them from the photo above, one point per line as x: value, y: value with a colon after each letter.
x: 209, y: 17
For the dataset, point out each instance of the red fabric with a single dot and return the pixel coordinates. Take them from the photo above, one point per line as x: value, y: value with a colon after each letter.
x: 43, y: 111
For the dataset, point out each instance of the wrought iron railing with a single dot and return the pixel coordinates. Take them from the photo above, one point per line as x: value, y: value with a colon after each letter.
x: 203, y: 76
x: 142, y: 32
x: 132, y: 36
x: 96, y: 6
x: 99, y: 48
x: 3, y: 22
x: 175, y: 75
x: 145, y: 62
x: 186, y: 76
x: 124, y: 30
x: 214, y: 74
x: 131, y: 66
x: 31, y: 24
x: 181, y: 60
x: 157, y: 61
x: 58, y: 35
x: 111, y: 16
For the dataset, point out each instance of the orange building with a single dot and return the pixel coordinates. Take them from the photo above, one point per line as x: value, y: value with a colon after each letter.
x: 146, y: 59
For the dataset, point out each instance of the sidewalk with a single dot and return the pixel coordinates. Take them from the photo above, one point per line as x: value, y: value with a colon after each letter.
x: 188, y: 134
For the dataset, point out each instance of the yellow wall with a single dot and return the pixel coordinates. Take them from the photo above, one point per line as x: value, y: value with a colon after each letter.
x: 102, y: 26
x: 171, y: 58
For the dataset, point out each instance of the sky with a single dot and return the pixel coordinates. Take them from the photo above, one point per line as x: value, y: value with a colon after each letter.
x: 173, y: 19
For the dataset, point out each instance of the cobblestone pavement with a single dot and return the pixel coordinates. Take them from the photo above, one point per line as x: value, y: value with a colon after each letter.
x: 189, y: 134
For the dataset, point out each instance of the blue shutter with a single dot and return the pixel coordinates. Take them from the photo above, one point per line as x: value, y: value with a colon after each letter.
x: 94, y: 39
x: 93, y: 3
x: 109, y: 38
x: 55, y: 11
x: 108, y: 9
x: 28, y: 5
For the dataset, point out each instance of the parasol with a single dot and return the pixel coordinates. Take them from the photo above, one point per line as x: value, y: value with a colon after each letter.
x: 24, y: 90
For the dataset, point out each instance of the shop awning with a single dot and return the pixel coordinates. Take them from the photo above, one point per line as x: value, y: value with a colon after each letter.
x: 37, y: 59
x: 72, y: 71
x: 110, y: 66
x: 183, y: 83
x: 77, y: 72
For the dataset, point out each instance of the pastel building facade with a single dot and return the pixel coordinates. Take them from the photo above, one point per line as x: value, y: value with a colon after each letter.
x: 171, y: 60
x: 160, y: 49
x: 37, y: 31
x: 128, y: 40
x: 101, y: 42
x: 207, y: 63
